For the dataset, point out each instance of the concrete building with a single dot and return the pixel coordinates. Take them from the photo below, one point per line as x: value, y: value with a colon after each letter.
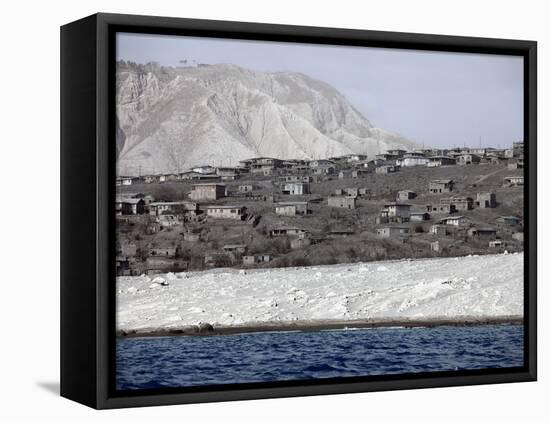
x: 296, y: 188
x: 459, y: 203
x: 466, y: 159
x: 438, y: 230
x: 246, y: 188
x: 172, y: 207
x: 292, y: 208
x: 438, y: 186
x: 413, y: 159
x: 514, y: 181
x: 207, y: 191
x: 438, y: 161
x: 256, y: 259
x: 405, y: 195
x: 226, y: 212
x: 419, y: 216
x: 342, y: 201
x: 482, y: 233
x: 168, y: 220
x: 454, y: 221
x: 509, y: 220
x: 497, y: 244
x: 393, y: 231
x: 384, y: 170
x: 486, y: 200
x: 287, y: 231
x: 129, y: 206
x: 398, y: 210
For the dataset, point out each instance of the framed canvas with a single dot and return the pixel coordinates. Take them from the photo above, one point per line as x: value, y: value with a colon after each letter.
x: 259, y: 211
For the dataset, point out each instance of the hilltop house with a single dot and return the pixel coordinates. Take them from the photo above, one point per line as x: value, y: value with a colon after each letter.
x: 226, y: 212
x: 509, y: 220
x: 438, y: 186
x: 437, y: 161
x: 454, y: 221
x: 256, y: 259
x: 419, y: 216
x: 384, y: 170
x: 287, y: 231
x: 129, y: 206
x: 393, y: 231
x: 405, y: 195
x: 342, y: 201
x: 483, y: 233
x: 172, y: 207
x: 486, y: 200
x: 207, y: 191
x: 460, y: 203
x: 466, y: 159
x: 168, y: 220
x: 292, y: 208
x: 296, y: 188
x: 398, y: 209
x: 438, y: 230
x: 322, y: 167
x: 413, y: 159
x: 513, y: 181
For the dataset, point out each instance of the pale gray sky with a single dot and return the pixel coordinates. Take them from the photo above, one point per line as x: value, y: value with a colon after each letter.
x: 439, y: 99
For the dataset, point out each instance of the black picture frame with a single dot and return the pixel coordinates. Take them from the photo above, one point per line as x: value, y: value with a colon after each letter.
x: 87, y: 194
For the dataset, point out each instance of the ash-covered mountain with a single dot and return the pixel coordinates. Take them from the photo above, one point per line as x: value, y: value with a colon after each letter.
x: 170, y: 119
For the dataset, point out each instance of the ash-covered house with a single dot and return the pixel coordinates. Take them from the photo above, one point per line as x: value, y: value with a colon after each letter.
x: 296, y: 188
x: 235, y: 251
x: 292, y: 208
x: 196, y: 176
x: 204, y: 169
x: 459, y: 203
x: 164, y: 251
x: 262, y: 165
x: 226, y: 212
x: 413, y: 159
x: 517, y: 163
x: 247, y: 187
x: 397, y: 152
x: 207, y: 191
x: 172, y: 207
x: 305, y: 179
x: 393, y: 232
x: 405, y: 195
x: 454, y: 221
x: 467, y: 159
x: 438, y: 161
x: 438, y: 230
x: 486, y: 200
x: 438, y: 186
x: 419, y: 216
x: 513, y: 181
x: 342, y: 201
x: 359, y: 173
x: 386, y: 157
x: 125, y: 205
x: 509, y: 220
x: 482, y: 233
x: 256, y: 259
x: 384, y: 170
x: 168, y: 220
x: 497, y: 244
x: 124, y: 181
x: 322, y: 167
x: 168, y: 177
x: 287, y: 231
x: 398, y: 210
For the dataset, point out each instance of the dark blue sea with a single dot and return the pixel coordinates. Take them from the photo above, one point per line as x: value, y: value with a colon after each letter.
x: 182, y: 361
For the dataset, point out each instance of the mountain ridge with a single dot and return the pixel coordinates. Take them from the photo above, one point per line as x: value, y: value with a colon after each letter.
x: 170, y: 119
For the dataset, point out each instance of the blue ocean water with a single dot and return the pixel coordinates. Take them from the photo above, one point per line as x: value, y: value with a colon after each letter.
x: 182, y: 361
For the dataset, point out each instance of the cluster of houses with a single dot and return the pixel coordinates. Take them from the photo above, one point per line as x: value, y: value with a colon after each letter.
x: 210, y: 191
